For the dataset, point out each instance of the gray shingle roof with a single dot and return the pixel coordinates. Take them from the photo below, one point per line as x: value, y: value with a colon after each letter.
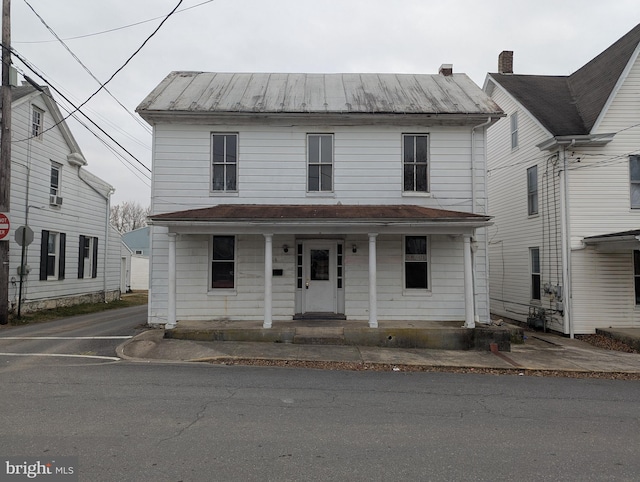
x: 570, y: 105
x: 210, y: 92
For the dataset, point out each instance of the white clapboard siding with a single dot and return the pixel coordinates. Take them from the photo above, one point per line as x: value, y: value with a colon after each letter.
x: 83, y: 212
x: 272, y: 166
x: 514, y: 231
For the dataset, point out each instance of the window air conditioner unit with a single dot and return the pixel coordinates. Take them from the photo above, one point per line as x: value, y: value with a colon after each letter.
x: 55, y: 200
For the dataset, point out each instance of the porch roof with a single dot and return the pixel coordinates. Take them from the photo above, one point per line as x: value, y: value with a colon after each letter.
x: 613, y: 242
x: 315, y: 216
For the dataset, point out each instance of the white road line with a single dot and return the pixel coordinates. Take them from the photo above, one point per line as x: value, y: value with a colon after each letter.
x: 97, y: 357
x: 65, y: 337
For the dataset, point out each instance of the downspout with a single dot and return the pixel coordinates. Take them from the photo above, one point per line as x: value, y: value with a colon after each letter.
x: 566, y: 245
x: 473, y: 210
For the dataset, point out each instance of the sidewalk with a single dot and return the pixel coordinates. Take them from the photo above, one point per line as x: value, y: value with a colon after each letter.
x: 539, y: 352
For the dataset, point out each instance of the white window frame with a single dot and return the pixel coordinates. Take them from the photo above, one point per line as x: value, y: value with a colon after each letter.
x: 37, y: 122
x: 415, y: 164
x: 535, y: 274
x: 634, y: 182
x: 223, y: 290
x: 55, y: 255
x: 225, y: 165
x: 513, y: 129
x: 54, y: 190
x: 532, y: 192
x: 320, y: 164
x: 427, y: 255
x: 88, y: 258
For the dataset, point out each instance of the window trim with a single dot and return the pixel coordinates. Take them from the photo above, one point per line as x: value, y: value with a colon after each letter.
x: 533, y: 274
x: 633, y: 182
x: 59, y: 256
x: 513, y: 130
x: 225, y: 191
x: 320, y: 191
x: 223, y: 291
x: 89, y: 252
x: 414, y: 191
x: 427, y: 261
x: 55, y: 190
x: 37, y: 128
x: 532, y: 192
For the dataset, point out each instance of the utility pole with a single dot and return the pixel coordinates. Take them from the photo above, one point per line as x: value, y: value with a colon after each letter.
x: 5, y: 157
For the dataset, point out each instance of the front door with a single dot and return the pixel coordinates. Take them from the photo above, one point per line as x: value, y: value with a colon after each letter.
x: 320, y: 287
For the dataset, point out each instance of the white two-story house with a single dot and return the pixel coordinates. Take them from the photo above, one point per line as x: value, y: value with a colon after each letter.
x: 69, y: 254
x: 277, y: 197
x: 564, y: 187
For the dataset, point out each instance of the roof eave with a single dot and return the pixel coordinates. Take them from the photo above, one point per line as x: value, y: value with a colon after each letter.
x: 334, y: 117
x: 588, y: 140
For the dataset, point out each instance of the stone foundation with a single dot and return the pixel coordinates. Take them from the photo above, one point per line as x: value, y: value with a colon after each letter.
x: 30, y: 306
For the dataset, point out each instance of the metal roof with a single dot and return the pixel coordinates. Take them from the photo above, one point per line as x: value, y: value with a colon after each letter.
x: 210, y: 92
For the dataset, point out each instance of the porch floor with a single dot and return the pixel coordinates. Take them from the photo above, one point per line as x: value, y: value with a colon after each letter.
x: 445, y: 335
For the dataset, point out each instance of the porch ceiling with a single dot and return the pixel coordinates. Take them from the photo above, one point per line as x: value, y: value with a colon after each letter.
x: 320, y: 219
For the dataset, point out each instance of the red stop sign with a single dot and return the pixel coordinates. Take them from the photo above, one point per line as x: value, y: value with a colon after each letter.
x: 5, y: 225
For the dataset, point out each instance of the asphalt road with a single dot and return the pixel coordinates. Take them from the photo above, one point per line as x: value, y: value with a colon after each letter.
x: 133, y: 421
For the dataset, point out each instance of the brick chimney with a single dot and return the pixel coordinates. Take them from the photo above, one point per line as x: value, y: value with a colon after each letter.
x: 505, y: 62
x: 446, y: 70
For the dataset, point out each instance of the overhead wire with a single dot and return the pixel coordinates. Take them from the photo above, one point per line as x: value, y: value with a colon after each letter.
x: 137, y: 119
x: 113, y: 29
x: 102, y: 86
x: 73, y: 112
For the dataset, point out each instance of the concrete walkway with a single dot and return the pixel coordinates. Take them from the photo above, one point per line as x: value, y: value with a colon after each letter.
x: 539, y: 352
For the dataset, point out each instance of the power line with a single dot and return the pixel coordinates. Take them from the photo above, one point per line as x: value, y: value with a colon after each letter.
x: 75, y: 110
x: 113, y: 29
x: 102, y: 86
x: 137, y: 119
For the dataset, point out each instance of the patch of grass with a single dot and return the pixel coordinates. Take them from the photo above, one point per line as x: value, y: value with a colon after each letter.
x: 129, y: 299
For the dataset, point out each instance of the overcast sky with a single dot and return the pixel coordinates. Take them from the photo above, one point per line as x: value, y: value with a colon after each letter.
x: 554, y: 37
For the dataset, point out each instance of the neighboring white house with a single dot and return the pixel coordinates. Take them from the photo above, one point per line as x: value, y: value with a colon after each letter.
x: 137, y: 242
x: 63, y: 205
x: 564, y: 187
x: 349, y: 196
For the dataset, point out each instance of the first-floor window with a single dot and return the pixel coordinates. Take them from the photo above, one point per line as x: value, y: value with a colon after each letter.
x: 223, y: 262
x: 535, y: 273
x: 634, y: 181
x: 416, y: 262
x: 52, y: 255
x: 636, y: 274
x: 87, y: 257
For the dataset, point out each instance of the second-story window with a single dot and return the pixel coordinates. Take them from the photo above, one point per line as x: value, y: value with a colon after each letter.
x: 320, y: 162
x: 224, y: 162
x: 55, y: 179
x: 37, y: 122
x: 514, y: 130
x: 532, y: 190
x: 416, y: 162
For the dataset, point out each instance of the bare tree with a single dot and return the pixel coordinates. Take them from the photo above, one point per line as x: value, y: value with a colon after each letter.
x: 129, y: 215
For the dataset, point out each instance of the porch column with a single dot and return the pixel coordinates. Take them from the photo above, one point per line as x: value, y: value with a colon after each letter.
x: 268, y: 279
x: 171, y: 295
x: 469, y: 319
x: 373, y: 282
